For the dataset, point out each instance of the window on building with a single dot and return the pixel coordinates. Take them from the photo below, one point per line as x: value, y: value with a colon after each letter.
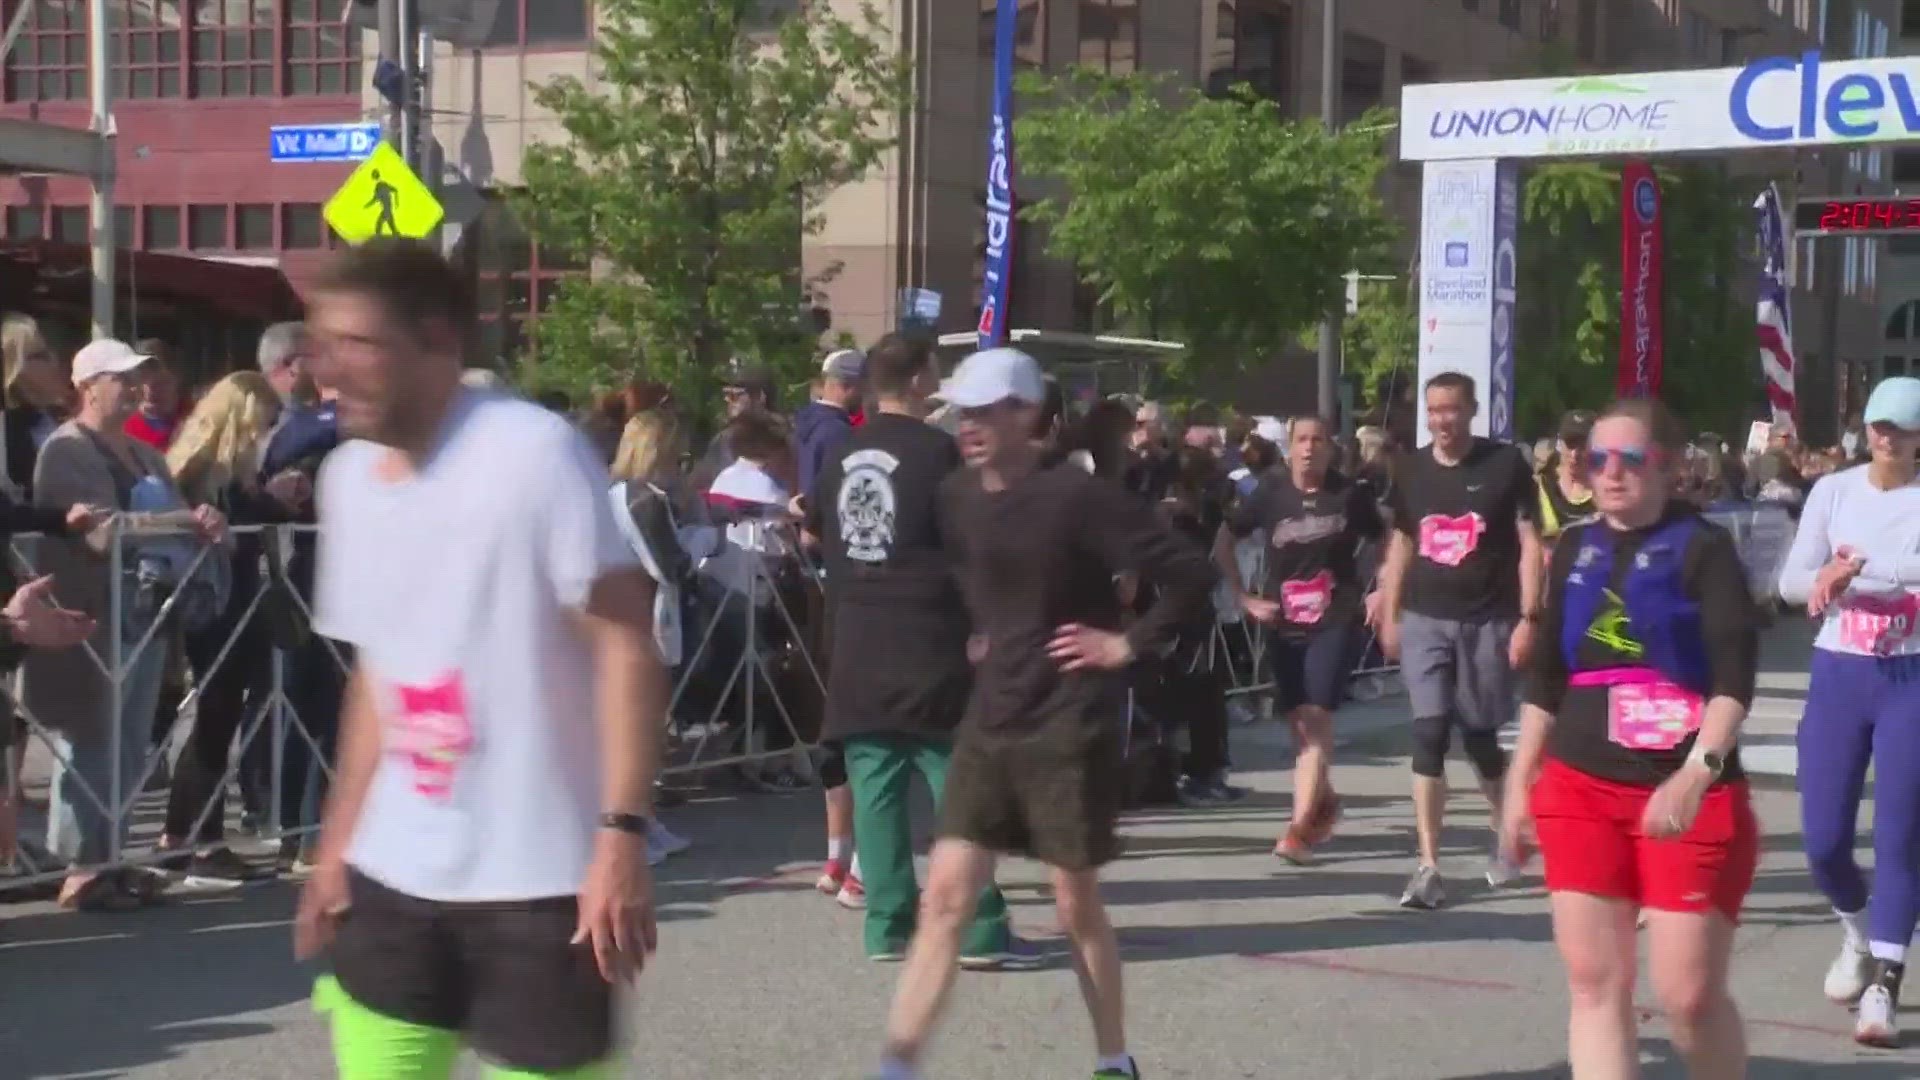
x: 301, y: 227
x: 1586, y: 32
x: 1029, y: 42
x: 1253, y: 44
x: 1510, y: 14
x: 206, y: 227
x: 1363, y: 75
x: 1701, y: 35
x: 1470, y: 5
x: 162, y: 228
x: 1414, y: 71
x: 538, y: 24
x: 70, y: 225
x: 1891, y: 366
x: 253, y: 227
x: 232, y: 51
x: 1910, y: 20
x: 322, y: 54
x: 146, y: 49
x: 123, y: 227
x: 26, y: 223
x: 1110, y: 35
x: 49, y: 59
x: 518, y: 280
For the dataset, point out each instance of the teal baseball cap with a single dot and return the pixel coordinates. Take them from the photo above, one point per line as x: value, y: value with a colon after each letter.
x: 1895, y: 401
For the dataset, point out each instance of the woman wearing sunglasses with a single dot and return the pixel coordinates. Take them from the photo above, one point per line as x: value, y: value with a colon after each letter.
x: 1855, y: 563
x: 1626, y: 770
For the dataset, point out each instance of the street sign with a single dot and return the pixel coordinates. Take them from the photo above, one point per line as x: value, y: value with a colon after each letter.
x: 383, y: 197
x: 322, y: 142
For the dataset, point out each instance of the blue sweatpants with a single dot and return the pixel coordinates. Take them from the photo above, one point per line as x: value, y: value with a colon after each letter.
x: 1861, y: 710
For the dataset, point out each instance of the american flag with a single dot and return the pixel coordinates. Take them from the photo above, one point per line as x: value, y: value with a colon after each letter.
x: 1775, y: 311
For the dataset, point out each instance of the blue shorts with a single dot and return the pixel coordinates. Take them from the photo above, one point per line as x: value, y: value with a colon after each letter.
x: 1314, y: 669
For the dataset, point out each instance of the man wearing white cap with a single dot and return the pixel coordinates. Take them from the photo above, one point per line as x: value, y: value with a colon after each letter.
x: 1036, y: 762
x: 90, y: 460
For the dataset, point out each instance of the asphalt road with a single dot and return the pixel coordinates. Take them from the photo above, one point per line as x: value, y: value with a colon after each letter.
x: 1238, y: 967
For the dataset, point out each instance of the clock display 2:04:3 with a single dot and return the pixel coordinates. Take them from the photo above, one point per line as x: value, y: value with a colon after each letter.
x: 1849, y: 215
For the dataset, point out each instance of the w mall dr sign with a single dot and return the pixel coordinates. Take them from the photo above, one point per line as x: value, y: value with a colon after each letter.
x: 1774, y: 102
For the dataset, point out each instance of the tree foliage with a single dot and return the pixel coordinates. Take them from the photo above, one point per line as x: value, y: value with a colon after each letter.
x: 1215, y: 220
x: 1569, y: 302
x: 695, y: 160
x: 1381, y: 339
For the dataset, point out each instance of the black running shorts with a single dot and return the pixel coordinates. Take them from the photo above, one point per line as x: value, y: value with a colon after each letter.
x: 1053, y: 795
x: 501, y: 974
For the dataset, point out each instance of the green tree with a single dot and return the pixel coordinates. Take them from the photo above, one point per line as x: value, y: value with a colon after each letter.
x: 1569, y: 310
x: 695, y: 161
x: 1214, y: 220
x: 1381, y: 338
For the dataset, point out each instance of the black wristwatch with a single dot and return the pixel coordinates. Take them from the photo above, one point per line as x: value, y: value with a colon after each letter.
x: 632, y: 824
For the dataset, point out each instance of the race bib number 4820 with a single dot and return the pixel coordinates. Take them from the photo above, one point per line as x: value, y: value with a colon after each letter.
x: 1449, y: 540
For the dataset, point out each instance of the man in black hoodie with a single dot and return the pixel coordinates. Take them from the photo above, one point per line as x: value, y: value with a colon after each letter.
x: 898, y: 675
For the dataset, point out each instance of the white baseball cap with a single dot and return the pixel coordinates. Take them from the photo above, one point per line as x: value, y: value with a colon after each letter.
x: 846, y: 365
x: 991, y: 376
x: 105, y: 357
x: 1271, y: 428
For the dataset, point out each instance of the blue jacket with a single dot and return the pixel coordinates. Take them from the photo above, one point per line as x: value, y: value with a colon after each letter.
x: 819, y: 431
x: 1660, y: 615
x: 304, y: 435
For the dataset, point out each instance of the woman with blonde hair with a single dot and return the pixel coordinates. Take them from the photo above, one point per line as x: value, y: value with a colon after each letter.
x: 646, y: 480
x: 215, y: 461
x: 36, y: 396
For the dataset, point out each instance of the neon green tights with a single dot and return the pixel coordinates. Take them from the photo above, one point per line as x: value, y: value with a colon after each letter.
x: 369, y: 1046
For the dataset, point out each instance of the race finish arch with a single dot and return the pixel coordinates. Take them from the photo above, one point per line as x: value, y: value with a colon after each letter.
x: 1470, y: 136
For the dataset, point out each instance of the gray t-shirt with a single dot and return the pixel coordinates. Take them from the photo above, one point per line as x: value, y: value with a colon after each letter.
x: 458, y: 587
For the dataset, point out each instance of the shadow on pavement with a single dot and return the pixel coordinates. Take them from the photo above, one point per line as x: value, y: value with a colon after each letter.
x: 61, y: 1018
x: 1668, y: 1064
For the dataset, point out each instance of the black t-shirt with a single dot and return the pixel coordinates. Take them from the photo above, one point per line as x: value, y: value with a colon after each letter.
x: 898, y: 658
x: 1463, y: 521
x: 1312, y: 538
x: 1044, y: 553
x: 1711, y: 575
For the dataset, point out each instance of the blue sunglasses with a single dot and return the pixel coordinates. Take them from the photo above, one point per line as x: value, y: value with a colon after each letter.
x: 1632, y: 458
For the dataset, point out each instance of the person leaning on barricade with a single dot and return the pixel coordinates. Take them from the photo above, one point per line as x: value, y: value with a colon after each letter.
x: 212, y: 462
x: 90, y: 460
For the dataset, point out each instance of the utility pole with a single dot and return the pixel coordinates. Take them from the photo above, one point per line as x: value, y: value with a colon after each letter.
x: 1330, y: 116
x: 100, y: 90
x: 393, y: 50
x: 409, y: 30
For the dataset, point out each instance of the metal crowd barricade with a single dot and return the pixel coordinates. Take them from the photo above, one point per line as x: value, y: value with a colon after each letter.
x: 124, y: 802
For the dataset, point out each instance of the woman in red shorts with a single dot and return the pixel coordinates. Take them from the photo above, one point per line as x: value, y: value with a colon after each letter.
x: 1626, y: 771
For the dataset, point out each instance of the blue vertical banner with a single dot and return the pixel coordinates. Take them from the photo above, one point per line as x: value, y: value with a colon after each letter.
x: 1506, y: 291
x: 999, y: 255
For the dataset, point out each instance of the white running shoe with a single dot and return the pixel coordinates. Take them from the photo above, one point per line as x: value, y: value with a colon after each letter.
x: 1878, y: 1024
x: 665, y: 840
x: 1500, y: 873
x: 1849, y: 974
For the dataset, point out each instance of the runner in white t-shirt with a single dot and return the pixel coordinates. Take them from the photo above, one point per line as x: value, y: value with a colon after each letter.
x: 482, y: 876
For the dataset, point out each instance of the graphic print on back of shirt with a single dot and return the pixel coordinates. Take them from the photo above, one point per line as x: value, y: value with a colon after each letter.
x: 1449, y: 540
x: 433, y: 733
x: 866, y: 503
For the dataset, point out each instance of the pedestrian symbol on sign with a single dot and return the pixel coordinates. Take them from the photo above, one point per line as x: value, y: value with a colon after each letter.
x: 383, y: 197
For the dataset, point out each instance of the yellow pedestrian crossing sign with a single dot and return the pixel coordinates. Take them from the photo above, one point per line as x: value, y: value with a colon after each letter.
x: 383, y: 197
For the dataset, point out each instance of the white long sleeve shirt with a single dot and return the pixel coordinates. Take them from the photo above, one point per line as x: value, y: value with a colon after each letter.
x: 1880, y: 611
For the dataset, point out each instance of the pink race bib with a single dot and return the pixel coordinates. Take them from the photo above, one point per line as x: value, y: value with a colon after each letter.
x: 1449, y: 540
x: 1652, y: 716
x: 433, y: 734
x: 1872, y: 625
x: 1305, y: 601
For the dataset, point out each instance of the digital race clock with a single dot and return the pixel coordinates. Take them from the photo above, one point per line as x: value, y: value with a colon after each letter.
x: 1853, y: 217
